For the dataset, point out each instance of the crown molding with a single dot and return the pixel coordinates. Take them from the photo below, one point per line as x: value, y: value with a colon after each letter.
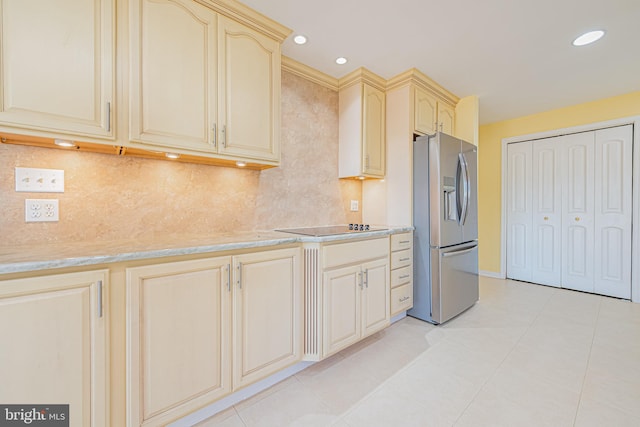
x: 301, y: 70
x: 250, y: 17
x: 362, y: 75
x: 421, y: 80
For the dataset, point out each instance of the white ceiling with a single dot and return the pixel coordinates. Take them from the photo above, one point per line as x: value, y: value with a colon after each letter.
x: 515, y: 55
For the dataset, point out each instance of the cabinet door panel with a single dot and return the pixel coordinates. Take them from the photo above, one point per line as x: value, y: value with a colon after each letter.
x: 173, y: 78
x: 425, y: 112
x: 178, y: 333
x: 57, y: 65
x: 373, y: 132
x: 55, y: 344
x: 375, y: 297
x: 250, y: 89
x: 341, y: 309
x: 267, y: 314
x: 446, y: 117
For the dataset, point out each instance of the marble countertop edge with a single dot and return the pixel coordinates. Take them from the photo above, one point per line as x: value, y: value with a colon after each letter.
x: 60, y: 255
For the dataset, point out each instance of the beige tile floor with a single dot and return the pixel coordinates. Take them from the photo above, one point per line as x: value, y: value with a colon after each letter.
x: 524, y: 355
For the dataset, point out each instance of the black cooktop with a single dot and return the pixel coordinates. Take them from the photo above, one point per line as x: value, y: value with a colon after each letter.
x: 331, y: 230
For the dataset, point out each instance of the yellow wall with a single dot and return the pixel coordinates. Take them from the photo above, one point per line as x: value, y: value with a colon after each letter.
x: 490, y: 159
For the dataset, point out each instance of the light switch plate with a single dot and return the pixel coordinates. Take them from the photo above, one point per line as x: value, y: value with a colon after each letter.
x: 34, y: 180
x: 354, y: 206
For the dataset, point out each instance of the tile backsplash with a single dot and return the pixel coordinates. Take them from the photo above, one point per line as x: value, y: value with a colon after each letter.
x: 109, y: 197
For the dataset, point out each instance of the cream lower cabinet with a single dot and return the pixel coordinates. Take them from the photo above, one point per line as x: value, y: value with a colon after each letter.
x: 267, y: 316
x: 54, y: 351
x: 198, y: 330
x: 57, y: 67
x: 401, y: 272
x: 355, y: 297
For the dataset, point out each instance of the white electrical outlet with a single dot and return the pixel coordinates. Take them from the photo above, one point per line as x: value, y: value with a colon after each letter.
x: 39, y: 180
x: 41, y: 210
x: 354, y: 206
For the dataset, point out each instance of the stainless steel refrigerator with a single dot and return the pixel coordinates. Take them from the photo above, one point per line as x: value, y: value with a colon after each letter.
x: 445, y: 217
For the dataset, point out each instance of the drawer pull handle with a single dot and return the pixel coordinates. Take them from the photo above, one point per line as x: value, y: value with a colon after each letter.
x: 405, y: 241
x: 403, y: 299
x: 406, y: 276
x: 405, y: 259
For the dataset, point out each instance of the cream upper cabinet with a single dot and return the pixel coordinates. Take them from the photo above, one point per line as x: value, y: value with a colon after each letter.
x: 267, y: 314
x: 432, y: 115
x: 446, y: 118
x: 173, y: 74
x: 249, y: 101
x: 57, y: 67
x: 210, y: 86
x: 54, y: 332
x: 362, y: 117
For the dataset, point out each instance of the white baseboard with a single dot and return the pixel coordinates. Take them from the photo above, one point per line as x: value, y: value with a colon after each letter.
x: 491, y: 274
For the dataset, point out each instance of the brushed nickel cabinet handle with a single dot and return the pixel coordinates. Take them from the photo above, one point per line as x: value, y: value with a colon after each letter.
x: 405, y: 259
x: 239, y: 275
x: 406, y: 276
x: 403, y: 299
x: 215, y: 135
x: 99, y: 292
x: 108, y: 117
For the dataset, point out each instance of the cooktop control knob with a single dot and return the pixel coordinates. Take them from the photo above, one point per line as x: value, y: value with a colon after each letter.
x: 359, y: 227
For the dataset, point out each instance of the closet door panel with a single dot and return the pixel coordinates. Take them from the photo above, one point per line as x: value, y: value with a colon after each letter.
x: 519, y: 211
x: 578, y: 211
x: 547, y: 212
x: 613, y: 201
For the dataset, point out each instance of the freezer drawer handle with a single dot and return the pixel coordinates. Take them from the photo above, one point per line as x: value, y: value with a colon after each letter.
x: 460, y: 252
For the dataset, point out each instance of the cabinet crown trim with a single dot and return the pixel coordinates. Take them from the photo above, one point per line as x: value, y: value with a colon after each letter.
x: 301, y: 70
x: 362, y: 75
x: 421, y: 80
x: 250, y: 17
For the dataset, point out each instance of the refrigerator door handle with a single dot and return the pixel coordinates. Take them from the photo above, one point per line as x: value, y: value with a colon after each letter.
x: 460, y: 252
x: 464, y: 169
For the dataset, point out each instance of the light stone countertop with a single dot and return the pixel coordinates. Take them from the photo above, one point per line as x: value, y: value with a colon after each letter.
x: 20, y: 259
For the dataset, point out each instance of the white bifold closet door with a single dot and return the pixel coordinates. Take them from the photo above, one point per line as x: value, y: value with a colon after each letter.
x: 569, y: 204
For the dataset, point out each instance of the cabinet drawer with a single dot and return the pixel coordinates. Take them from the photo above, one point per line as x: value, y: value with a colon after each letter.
x: 400, y: 276
x: 401, y: 258
x: 401, y: 298
x: 401, y: 241
x: 354, y: 252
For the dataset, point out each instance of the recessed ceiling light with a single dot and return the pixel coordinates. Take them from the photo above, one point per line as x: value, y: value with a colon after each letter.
x: 589, y: 37
x: 241, y: 164
x: 341, y: 61
x: 172, y: 155
x: 300, y: 39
